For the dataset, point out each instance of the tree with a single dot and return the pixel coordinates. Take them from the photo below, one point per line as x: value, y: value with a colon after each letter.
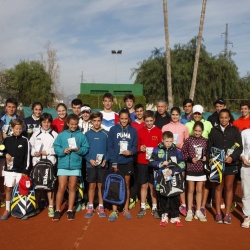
x: 168, y: 58
x: 52, y: 67
x: 31, y: 83
x: 216, y: 76
x: 197, y: 54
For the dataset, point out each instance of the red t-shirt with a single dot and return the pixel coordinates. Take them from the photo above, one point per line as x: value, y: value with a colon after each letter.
x: 242, y: 123
x: 57, y: 125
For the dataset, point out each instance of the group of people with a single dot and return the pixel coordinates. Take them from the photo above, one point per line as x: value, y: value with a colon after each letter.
x: 137, y: 142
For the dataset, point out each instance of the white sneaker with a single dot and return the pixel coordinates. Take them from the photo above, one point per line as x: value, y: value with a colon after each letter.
x: 189, y: 216
x: 199, y: 215
x: 246, y: 222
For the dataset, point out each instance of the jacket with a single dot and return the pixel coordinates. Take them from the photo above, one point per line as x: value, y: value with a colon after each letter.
x: 214, y: 119
x: 43, y: 140
x: 3, y: 122
x: 150, y: 138
x: 117, y: 134
x: 161, y: 154
x: 225, y: 140
x: 72, y: 160
x: 98, y: 144
x: 207, y: 127
x: 160, y: 121
x: 18, y: 147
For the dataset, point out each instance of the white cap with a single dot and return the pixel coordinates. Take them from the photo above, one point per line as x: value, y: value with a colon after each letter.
x: 86, y: 108
x: 198, y: 109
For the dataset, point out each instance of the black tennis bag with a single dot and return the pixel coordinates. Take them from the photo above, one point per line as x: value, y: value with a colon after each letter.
x: 114, y: 187
x: 174, y: 185
x: 43, y: 175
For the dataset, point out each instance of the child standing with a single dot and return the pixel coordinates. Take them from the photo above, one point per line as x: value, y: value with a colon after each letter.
x: 148, y: 138
x: 245, y: 180
x: 194, y: 153
x: 122, y: 146
x: 42, y: 146
x: 165, y: 153
x: 224, y: 136
x: 70, y: 146
x: 58, y: 123
x: 85, y: 122
x: 96, y: 160
x: 17, y: 154
x: 32, y: 123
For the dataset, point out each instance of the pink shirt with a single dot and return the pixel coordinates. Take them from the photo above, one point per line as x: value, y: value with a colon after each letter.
x: 179, y: 129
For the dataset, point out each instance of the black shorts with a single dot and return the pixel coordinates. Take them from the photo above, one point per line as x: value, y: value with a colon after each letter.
x: 95, y: 174
x: 145, y: 174
x: 231, y: 170
x: 126, y: 169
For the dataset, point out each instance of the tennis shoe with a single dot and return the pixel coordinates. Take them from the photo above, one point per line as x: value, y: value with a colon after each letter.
x: 218, y: 218
x: 183, y: 210
x: 113, y: 216
x: 89, y: 212
x: 227, y: 219
x: 141, y: 213
x: 200, y: 216
x: 246, y: 222
x: 6, y: 215
x: 101, y: 212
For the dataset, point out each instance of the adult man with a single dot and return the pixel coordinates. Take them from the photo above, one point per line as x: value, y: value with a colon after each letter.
x: 219, y: 104
x: 161, y: 116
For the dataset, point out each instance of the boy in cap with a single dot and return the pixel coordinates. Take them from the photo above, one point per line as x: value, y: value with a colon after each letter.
x: 219, y: 104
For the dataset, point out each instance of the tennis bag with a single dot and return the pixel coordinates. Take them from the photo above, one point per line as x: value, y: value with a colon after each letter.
x: 169, y: 187
x: 43, y: 175
x: 23, y: 205
x: 79, y: 190
x: 114, y: 187
x: 216, y: 164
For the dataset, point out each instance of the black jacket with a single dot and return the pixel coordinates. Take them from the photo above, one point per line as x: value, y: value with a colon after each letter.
x: 225, y: 141
x: 214, y: 119
x: 18, y: 147
x: 161, y: 121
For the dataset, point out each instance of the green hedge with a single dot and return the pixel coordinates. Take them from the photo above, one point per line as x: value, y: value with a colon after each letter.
x: 95, y: 101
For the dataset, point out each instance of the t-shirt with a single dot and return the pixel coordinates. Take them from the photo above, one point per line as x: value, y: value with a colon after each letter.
x: 109, y: 119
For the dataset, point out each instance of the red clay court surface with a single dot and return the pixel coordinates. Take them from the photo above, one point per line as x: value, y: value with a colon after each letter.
x: 41, y: 233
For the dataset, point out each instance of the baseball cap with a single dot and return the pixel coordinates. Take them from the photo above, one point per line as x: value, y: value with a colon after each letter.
x: 24, y: 185
x: 85, y: 109
x: 198, y: 109
x: 220, y: 101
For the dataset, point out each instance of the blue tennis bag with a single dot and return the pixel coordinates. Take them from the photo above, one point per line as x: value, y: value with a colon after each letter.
x: 114, y: 187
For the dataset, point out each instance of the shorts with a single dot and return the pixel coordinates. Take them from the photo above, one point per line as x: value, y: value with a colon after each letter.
x: 95, y: 174
x: 11, y: 178
x: 230, y: 170
x: 126, y: 169
x: 145, y: 174
x: 69, y: 172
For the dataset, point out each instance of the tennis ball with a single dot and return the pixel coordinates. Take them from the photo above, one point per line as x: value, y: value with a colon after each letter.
x: 2, y: 147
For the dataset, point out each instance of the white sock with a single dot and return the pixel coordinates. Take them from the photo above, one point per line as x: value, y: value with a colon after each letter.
x: 100, y: 205
x: 154, y: 206
x: 143, y: 205
x: 91, y: 205
x: 184, y: 205
x: 164, y: 217
x: 7, y: 204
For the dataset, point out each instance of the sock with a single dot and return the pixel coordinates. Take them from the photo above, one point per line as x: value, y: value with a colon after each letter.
x: 100, y: 205
x: 184, y: 205
x: 154, y: 206
x: 91, y: 205
x: 51, y: 206
x: 164, y: 217
x: 143, y: 205
x: 7, y: 205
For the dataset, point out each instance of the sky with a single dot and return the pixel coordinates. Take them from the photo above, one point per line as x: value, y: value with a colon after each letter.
x: 84, y: 32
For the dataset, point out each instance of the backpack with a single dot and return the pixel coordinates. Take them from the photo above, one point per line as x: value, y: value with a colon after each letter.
x: 23, y: 205
x: 172, y: 186
x: 43, y: 175
x: 114, y: 188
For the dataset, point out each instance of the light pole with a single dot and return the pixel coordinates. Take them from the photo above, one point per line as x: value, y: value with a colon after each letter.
x: 116, y: 52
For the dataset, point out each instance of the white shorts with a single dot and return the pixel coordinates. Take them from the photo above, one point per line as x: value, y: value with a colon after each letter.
x: 11, y: 178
